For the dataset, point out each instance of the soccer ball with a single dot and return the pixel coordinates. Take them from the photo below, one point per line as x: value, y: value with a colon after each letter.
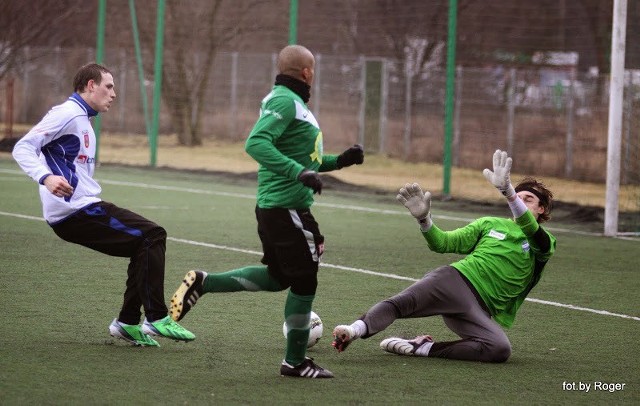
x: 314, y: 334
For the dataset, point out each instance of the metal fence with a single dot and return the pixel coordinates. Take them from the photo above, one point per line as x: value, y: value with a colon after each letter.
x: 552, y: 120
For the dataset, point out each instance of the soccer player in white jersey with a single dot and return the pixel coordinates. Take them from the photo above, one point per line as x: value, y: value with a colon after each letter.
x: 478, y: 294
x: 59, y: 154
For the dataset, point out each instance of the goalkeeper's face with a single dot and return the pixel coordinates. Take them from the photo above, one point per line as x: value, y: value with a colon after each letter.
x: 532, y: 202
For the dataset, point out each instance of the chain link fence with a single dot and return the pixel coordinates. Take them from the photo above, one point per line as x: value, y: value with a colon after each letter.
x: 552, y: 120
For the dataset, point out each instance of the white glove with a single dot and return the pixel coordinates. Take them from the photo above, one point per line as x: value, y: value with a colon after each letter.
x: 418, y: 203
x: 500, y: 175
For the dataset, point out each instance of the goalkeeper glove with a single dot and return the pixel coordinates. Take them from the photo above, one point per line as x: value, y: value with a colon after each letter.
x: 500, y: 176
x: 353, y: 155
x: 311, y: 180
x: 417, y: 202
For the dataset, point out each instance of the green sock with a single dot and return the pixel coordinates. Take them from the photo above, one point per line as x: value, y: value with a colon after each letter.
x: 251, y: 278
x: 297, y: 311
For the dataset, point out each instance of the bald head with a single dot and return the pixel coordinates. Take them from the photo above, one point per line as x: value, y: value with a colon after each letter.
x: 296, y: 61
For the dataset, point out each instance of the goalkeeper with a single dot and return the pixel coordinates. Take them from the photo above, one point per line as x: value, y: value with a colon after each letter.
x: 479, y: 293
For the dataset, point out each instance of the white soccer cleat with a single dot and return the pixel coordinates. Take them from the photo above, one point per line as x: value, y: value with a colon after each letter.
x: 402, y: 346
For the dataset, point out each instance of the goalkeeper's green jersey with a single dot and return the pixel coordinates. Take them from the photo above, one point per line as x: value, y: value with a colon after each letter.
x: 503, y: 261
x: 285, y: 140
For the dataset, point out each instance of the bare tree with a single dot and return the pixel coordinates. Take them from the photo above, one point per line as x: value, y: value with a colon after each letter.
x: 23, y: 24
x: 195, y: 32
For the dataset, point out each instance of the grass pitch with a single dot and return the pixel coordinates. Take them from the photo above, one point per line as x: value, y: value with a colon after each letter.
x: 58, y: 299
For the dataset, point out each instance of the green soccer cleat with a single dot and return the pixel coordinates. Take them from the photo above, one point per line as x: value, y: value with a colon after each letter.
x: 168, y: 328
x: 132, y: 334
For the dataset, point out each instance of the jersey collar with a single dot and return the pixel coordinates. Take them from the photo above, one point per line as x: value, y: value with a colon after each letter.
x: 77, y: 98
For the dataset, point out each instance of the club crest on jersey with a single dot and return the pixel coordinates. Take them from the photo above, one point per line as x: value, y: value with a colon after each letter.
x: 525, y: 246
x: 316, y: 155
x: 86, y: 138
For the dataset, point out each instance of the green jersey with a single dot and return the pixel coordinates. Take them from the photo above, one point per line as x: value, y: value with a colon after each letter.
x: 503, y: 261
x: 285, y: 140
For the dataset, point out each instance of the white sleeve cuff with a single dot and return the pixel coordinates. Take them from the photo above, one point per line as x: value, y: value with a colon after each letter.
x: 518, y: 208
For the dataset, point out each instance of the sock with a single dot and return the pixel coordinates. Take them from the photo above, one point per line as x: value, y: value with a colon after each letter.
x: 297, y: 314
x: 250, y: 278
x: 359, y: 328
x: 423, y: 350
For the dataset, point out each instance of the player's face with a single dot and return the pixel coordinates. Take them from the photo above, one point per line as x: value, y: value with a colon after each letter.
x: 101, y: 95
x: 532, y: 202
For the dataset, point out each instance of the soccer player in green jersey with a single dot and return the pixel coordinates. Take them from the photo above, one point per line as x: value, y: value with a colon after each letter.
x: 286, y: 141
x: 479, y: 293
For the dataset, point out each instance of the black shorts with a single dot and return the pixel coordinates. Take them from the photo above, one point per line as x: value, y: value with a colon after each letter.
x: 291, y: 242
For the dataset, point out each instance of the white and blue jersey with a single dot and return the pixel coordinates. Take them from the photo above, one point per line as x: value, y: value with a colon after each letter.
x: 62, y: 143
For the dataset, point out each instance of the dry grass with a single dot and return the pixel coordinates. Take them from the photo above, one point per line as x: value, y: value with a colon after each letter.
x: 378, y: 171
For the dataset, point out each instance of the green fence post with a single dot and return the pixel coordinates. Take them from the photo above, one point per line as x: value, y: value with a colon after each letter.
x: 450, y: 90
x: 143, y: 92
x: 157, y: 89
x: 293, y: 22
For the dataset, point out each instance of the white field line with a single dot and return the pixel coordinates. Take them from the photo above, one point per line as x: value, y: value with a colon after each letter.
x: 318, y: 204
x: 351, y: 269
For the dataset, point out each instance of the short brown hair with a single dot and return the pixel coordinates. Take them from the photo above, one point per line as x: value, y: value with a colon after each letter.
x: 90, y: 71
x: 540, y: 190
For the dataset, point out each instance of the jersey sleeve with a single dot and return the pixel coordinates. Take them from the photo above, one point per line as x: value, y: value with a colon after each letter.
x: 459, y: 241
x: 275, y: 116
x: 329, y: 163
x: 27, y: 150
x: 542, y: 242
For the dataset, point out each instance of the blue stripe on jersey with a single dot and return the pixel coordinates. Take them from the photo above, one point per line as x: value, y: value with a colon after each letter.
x: 60, y: 155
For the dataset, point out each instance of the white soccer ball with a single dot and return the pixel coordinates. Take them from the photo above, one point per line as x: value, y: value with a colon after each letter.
x: 314, y: 334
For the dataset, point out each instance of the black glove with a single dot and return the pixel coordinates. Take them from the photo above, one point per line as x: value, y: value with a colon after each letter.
x: 354, y: 155
x: 311, y: 179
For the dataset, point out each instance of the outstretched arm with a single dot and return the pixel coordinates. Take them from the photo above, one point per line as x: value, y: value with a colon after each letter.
x: 500, y: 177
x: 418, y: 203
x: 351, y: 156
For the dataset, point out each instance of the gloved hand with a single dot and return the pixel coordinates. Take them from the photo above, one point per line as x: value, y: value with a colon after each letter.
x: 311, y: 179
x: 417, y: 201
x: 500, y: 176
x: 353, y: 155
